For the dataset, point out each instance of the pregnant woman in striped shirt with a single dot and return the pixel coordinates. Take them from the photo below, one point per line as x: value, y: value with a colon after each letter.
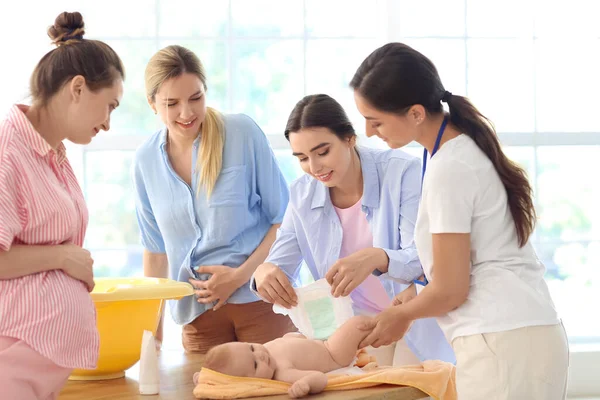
x: 47, y: 317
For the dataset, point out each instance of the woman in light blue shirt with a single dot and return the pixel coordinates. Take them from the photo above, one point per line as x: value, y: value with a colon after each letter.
x: 350, y: 218
x: 209, y: 199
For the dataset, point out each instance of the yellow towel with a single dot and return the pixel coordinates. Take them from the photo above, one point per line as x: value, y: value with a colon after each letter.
x: 436, y: 378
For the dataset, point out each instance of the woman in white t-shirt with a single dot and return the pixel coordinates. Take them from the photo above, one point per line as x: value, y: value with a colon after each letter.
x: 486, y: 285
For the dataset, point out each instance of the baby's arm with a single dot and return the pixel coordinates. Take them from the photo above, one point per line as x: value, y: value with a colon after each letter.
x: 303, y: 382
x: 297, y: 335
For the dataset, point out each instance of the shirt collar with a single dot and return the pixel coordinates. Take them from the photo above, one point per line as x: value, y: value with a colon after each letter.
x: 370, y: 196
x: 163, y: 140
x: 370, y: 178
x: 33, y: 139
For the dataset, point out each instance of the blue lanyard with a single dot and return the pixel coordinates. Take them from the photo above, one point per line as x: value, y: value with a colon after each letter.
x: 436, y: 146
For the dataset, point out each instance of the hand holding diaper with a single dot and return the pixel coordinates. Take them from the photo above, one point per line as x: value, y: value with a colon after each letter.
x: 274, y: 286
x: 318, y: 314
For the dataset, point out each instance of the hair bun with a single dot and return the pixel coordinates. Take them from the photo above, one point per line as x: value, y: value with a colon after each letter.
x: 68, y: 26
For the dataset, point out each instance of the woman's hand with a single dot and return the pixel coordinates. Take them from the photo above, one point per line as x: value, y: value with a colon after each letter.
x: 349, y: 272
x: 274, y: 286
x: 387, y: 327
x: 219, y: 287
x: 78, y: 263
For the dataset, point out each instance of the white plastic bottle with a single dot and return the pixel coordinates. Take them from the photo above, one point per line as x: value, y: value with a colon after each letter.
x: 149, y: 381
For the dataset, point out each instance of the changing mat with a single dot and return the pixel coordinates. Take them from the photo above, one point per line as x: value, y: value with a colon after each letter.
x: 436, y: 378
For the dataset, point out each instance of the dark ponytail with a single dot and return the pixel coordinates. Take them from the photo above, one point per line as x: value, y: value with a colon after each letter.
x: 466, y: 118
x: 395, y: 77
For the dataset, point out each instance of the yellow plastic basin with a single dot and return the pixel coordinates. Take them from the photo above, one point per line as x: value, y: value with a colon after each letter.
x: 125, y: 308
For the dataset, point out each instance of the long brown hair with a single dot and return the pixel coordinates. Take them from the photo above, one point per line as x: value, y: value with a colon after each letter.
x: 395, y: 77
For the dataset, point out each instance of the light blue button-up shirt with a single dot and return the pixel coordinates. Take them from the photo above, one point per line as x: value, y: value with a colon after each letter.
x: 311, y: 232
x: 250, y: 196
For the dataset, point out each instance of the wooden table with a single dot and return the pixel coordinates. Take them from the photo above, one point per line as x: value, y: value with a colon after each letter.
x: 177, y: 369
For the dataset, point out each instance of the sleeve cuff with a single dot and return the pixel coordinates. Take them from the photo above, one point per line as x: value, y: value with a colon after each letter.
x: 254, y: 290
x: 404, y: 265
x: 252, y: 285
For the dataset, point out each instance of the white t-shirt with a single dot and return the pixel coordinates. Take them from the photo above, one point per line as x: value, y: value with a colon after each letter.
x: 463, y: 193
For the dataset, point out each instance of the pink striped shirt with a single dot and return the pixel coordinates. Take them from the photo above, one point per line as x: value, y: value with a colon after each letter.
x: 41, y: 203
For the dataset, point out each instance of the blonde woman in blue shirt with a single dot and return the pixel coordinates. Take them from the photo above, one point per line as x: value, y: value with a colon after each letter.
x: 209, y: 199
x: 350, y: 218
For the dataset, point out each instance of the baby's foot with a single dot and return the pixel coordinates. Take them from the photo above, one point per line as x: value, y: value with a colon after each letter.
x: 405, y: 296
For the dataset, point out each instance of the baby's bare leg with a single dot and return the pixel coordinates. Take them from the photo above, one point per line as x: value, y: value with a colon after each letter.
x: 343, y: 344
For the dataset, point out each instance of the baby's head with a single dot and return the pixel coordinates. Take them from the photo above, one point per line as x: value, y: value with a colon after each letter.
x: 241, y: 359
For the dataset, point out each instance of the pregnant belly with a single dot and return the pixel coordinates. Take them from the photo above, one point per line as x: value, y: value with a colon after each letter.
x: 47, y: 300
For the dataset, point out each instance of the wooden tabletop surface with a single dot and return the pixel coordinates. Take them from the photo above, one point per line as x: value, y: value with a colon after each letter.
x: 177, y: 369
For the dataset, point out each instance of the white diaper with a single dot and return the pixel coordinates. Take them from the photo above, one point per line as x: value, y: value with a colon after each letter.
x: 318, y: 313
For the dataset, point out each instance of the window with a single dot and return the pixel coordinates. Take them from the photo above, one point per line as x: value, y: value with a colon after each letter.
x: 537, y: 86
x: 530, y: 66
x: 261, y: 58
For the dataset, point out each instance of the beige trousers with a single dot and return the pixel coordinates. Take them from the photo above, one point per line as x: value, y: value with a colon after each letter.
x: 528, y: 363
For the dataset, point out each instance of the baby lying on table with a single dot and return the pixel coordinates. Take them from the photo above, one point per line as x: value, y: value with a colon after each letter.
x: 293, y: 358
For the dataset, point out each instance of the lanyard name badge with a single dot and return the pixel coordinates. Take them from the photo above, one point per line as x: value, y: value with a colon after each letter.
x: 436, y: 146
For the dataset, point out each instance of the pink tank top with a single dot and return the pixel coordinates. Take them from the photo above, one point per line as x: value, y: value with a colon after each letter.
x: 370, y: 295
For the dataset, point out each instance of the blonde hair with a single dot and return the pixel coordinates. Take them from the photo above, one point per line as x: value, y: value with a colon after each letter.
x: 174, y: 61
